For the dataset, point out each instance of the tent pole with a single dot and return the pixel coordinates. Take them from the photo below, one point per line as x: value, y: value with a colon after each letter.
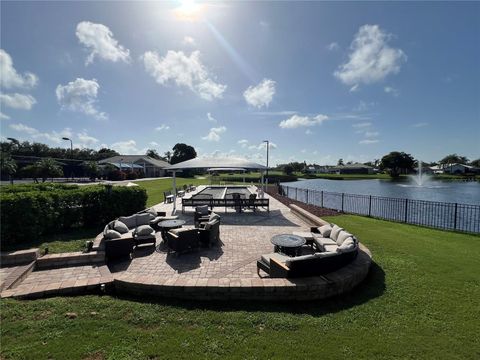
x: 174, y: 193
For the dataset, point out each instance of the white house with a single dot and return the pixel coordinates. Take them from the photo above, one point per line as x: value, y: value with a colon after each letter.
x: 460, y: 169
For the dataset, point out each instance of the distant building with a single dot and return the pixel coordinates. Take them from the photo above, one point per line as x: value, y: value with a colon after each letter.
x: 352, y: 169
x: 150, y: 166
x: 437, y: 169
x: 460, y: 169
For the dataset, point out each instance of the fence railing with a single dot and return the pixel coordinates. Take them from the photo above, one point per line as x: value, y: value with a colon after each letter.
x: 448, y: 216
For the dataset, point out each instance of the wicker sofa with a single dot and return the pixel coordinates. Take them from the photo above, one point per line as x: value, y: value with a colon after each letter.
x: 334, y: 248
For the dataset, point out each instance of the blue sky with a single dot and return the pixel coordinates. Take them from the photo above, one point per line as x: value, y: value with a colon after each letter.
x: 321, y: 81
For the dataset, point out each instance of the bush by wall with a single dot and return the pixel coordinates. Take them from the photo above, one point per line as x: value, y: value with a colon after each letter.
x: 36, y: 187
x: 29, y: 214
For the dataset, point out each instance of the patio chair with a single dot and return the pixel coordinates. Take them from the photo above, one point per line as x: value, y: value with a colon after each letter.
x: 201, y: 214
x: 180, y: 192
x: 168, y: 197
x: 182, y: 240
x: 209, y: 232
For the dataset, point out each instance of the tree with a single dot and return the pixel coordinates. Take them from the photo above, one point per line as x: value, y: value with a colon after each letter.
x: 475, y: 163
x: 396, y: 163
x: 182, y: 152
x: 48, y: 168
x: 168, y: 156
x: 153, y: 154
x: 30, y: 171
x: 288, y: 169
x: 91, y: 169
x: 453, y: 159
x: 8, y: 165
x: 340, y: 162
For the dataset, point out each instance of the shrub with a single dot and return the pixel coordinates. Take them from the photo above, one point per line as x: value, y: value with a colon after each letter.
x: 131, y: 175
x: 116, y: 175
x: 27, y: 214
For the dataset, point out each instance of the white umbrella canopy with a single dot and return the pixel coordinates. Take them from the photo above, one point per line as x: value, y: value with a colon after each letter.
x: 217, y: 162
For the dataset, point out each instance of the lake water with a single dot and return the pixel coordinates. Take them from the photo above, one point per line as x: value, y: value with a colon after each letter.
x: 442, y: 191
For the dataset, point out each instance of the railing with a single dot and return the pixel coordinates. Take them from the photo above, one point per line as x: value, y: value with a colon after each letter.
x: 447, y: 216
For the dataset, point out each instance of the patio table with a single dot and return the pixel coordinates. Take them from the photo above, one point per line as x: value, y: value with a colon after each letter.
x: 167, y: 225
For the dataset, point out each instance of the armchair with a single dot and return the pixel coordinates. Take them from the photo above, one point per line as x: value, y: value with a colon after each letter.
x: 209, y: 232
x: 182, y: 240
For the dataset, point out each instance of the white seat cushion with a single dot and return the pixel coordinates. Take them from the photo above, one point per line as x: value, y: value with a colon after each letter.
x: 330, y: 248
x: 111, y: 234
x: 277, y: 256
x: 144, y: 230
x: 120, y: 227
x: 324, y: 241
x: 348, y: 245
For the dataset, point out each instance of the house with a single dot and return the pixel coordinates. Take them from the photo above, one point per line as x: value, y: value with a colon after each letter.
x: 352, y: 169
x: 150, y: 166
x: 460, y: 169
x: 437, y: 169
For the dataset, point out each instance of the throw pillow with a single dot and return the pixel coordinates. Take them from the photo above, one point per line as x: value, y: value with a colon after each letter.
x: 112, y: 234
x: 120, y: 227
x: 202, y: 210
x: 143, y: 230
x: 325, y: 230
x: 348, y: 245
x: 335, y: 231
x: 213, y: 216
x: 342, y: 236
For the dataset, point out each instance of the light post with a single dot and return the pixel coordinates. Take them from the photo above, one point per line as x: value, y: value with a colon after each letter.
x: 71, y: 150
x: 268, y: 146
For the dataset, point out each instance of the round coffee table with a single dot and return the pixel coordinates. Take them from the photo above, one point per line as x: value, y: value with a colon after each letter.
x: 288, y: 244
x: 166, y: 225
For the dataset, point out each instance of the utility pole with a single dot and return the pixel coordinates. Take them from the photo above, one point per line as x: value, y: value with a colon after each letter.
x: 71, y: 151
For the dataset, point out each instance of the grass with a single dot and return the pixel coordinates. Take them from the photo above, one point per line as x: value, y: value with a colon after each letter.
x: 420, y: 301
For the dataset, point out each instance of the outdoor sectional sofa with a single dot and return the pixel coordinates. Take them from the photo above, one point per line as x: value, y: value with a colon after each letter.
x: 126, y: 232
x: 334, y: 248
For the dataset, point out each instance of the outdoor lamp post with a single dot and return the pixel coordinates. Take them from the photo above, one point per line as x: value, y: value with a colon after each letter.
x: 268, y: 145
x: 71, y: 149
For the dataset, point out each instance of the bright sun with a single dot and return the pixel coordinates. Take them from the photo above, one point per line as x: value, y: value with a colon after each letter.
x: 188, y: 10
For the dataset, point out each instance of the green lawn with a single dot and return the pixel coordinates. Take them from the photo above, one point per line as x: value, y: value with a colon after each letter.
x: 420, y: 301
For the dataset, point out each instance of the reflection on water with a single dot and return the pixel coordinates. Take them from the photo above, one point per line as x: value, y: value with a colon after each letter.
x: 443, y: 191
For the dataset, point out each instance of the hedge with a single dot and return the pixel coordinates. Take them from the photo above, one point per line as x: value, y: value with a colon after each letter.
x: 29, y: 214
x: 36, y: 187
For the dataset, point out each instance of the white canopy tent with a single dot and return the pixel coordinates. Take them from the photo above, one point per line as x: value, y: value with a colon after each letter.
x: 212, y: 163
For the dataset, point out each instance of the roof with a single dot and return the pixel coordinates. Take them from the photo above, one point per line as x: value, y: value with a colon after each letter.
x: 125, y: 165
x: 216, y: 162
x: 225, y: 169
x: 353, y: 166
x: 134, y: 158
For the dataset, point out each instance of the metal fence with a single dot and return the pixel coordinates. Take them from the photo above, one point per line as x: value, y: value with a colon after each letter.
x: 448, y: 216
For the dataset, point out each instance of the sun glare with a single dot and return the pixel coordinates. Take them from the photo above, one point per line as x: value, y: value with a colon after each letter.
x: 188, y: 10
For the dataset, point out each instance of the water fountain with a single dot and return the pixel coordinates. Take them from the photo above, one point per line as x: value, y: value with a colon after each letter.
x: 419, y: 178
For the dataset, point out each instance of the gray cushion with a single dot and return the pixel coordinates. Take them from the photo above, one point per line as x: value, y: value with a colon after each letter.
x: 277, y: 256
x: 342, y: 236
x: 202, y: 210
x: 151, y: 211
x: 143, y: 219
x: 324, y: 241
x: 325, y: 230
x: 120, y: 227
x: 130, y: 221
x: 143, y: 230
x: 335, y: 231
x: 111, y: 234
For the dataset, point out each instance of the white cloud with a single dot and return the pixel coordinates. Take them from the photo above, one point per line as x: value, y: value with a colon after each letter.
x: 162, y: 127
x: 99, y: 41
x: 214, y: 134
x: 17, y: 101
x: 303, y: 151
x: 211, y: 118
x: 264, y: 24
x: 354, y: 88
x: 260, y: 95
x: 420, y: 124
x: 153, y: 143
x: 128, y: 147
x: 86, y: 140
x: 243, y: 143
x: 371, y: 58
x: 3, y: 116
x: 263, y: 145
x: 362, y: 125
x: 333, y: 46
x: 297, y: 121
x: 80, y: 95
x: 275, y: 113
x: 368, y: 141
x: 10, y: 78
x: 188, y: 40
x: 371, y: 134
x: 53, y: 136
x: 184, y: 71
x: 391, y: 90
x: 308, y: 132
